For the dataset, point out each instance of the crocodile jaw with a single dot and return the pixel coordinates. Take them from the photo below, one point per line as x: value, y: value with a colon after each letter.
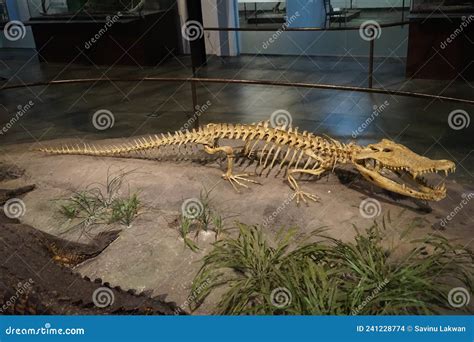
x: 424, y: 191
x: 394, y: 167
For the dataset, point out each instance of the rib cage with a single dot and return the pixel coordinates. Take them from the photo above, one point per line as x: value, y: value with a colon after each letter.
x: 271, y: 147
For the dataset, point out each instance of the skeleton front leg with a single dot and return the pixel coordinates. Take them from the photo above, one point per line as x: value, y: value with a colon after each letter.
x: 234, y: 180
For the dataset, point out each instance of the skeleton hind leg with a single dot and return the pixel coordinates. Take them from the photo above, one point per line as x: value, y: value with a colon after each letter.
x: 300, y: 194
x: 234, y: 180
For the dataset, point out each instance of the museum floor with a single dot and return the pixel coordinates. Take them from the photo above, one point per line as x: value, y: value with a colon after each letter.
x: 139, y: 108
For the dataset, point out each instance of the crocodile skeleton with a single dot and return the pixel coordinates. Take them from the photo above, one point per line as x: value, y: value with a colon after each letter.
x: 386, y: 164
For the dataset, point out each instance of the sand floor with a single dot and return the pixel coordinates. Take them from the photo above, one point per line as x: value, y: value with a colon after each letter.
x: 150, y: 255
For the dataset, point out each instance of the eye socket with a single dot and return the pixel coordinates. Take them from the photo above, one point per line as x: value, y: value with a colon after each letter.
x: 387, y: 150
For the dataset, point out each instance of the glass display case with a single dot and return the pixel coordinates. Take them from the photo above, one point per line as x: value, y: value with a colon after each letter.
x: 62, y: 8
x: 444, y: 6
x: 321, y: 13
x: 147, y: 30
x: 3, y: 12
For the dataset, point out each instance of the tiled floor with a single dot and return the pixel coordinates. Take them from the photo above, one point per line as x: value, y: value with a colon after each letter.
x: 139, y: 108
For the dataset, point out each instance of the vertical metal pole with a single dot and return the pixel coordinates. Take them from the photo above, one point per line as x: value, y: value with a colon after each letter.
x: 403, y: 10
x: 195, y: 104
x: 198, y: 53
x: 195, y: 101
x: 371, y: 60
x: 256, y: 15
x: 198, y: 45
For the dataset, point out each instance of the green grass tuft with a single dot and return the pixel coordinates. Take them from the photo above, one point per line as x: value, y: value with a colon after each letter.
x: 124, y: 210
x: 208, y: 220
x: 101, y: 204
x: 329, y: 277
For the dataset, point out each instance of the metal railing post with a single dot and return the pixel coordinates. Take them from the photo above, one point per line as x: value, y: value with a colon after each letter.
x: 195, y: 104
x: 195, y: 100
x: 371, y: 58
x: 403, y: 10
